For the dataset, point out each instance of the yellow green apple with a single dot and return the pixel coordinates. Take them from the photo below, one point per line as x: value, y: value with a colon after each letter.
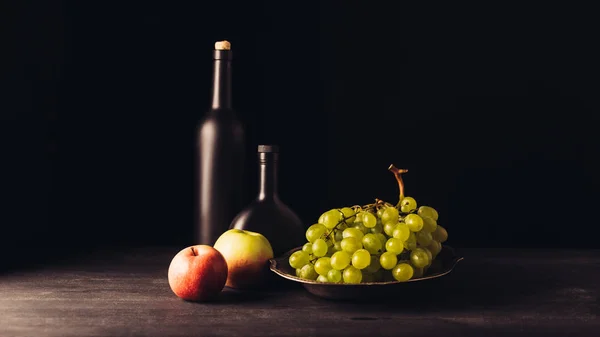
x: 247, y: 254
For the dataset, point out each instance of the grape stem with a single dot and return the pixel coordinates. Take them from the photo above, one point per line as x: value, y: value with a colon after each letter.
x: 331, y: 232
x: 398, y: 175
x: 380, y: 203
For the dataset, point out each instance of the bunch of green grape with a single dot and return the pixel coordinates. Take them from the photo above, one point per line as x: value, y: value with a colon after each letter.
x: 378, y: 242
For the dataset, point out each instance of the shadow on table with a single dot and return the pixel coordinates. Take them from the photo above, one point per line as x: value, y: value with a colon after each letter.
x: 277, y: 286
x: 471, y: 287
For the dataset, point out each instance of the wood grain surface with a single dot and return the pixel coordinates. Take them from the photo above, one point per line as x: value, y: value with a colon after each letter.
x: 126, y: 293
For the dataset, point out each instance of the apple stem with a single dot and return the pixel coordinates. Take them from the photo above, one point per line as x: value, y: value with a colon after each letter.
x: 193, y: 251
x: 398, y: 175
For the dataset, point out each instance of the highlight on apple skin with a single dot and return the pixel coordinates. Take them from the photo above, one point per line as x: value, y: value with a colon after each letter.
x: 197, y: 273
x: 247, y: 254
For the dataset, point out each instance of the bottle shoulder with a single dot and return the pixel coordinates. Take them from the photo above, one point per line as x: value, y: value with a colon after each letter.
x: 215, y: 124
x: 275, y: 221
x: 221, y: 115
x: 272, y: 210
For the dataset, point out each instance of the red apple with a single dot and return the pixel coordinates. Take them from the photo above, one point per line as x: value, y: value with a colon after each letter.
x: 197, y: 273
x: 247, y: 254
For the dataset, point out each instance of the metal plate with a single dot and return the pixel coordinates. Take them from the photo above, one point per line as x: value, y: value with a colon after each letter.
x: 443, y: 264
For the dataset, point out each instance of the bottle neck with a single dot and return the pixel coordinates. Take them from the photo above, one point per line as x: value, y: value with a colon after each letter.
x: 221, y: 86
x: 268, y: 176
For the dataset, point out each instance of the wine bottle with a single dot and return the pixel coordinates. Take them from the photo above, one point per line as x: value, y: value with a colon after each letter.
x: 267, y: 214
x: 220, y: 155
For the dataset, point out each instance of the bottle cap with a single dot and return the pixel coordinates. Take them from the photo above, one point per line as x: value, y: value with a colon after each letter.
x: 222, y: 45
x: 222, y: 51
x: 268, y: 149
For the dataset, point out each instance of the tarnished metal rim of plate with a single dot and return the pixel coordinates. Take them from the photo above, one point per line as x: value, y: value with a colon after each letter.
x: 273, y: 266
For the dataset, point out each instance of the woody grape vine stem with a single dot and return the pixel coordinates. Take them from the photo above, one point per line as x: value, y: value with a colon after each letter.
x: 398, y: 174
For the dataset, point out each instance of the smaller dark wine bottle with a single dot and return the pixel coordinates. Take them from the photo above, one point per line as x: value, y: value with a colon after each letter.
x: 268, y: 215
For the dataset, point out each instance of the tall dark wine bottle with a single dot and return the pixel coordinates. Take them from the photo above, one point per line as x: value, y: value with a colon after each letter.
x: 267, y: 214
x: 220, y: 150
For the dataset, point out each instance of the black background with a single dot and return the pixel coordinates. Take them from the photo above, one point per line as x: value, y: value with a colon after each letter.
x: 493, y: 109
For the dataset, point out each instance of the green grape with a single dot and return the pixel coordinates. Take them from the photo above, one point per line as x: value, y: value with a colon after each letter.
x: 361, y: 227
x: 315, y: 231
x: 308, y: 272
x: 361, y: 259
x: 319, y: 248
x: 322, y: 278
x: 377, y: 229
x: 340, y: 260
x: 298, y: 259
x: 435, y: 247
x: 307, y: 248
x: 418, y: 272
x: 419, y: 257
x: 358, y: 217
x: 374, y: 266
x: 408, y: 204
x: 334, y: 276
x: 336, y: 247
x: 424, y: 238
x: 401, y: 232
x: 429, y: 225
x: 428, y: 212
x: 440, y: 234
x: 342, y: 226
x: 351, y: 244
x: 402, y: 272
x: 332, y: 218
x: 389, y: 227
x: 338, y: 236
x: 367, y: 277
x: 323, y: 265
x: 390, y: 215
x: 382, y: 238
x: 411, y: 242
x: 352, y: 275
x: 353, y: 232
x: 430, y: 255
x: 369, y: 220
x: 321, y: 219
x: 394, y: 245
x: 414, y: 222
x: 371, y: 243
x: 380, y: 212
x: 348, y: 214
x: 328, y: 239
x: 298, y: 272
x: 388, y: 260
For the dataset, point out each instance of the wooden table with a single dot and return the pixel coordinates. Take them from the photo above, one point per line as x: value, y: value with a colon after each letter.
x: 490, y: 293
